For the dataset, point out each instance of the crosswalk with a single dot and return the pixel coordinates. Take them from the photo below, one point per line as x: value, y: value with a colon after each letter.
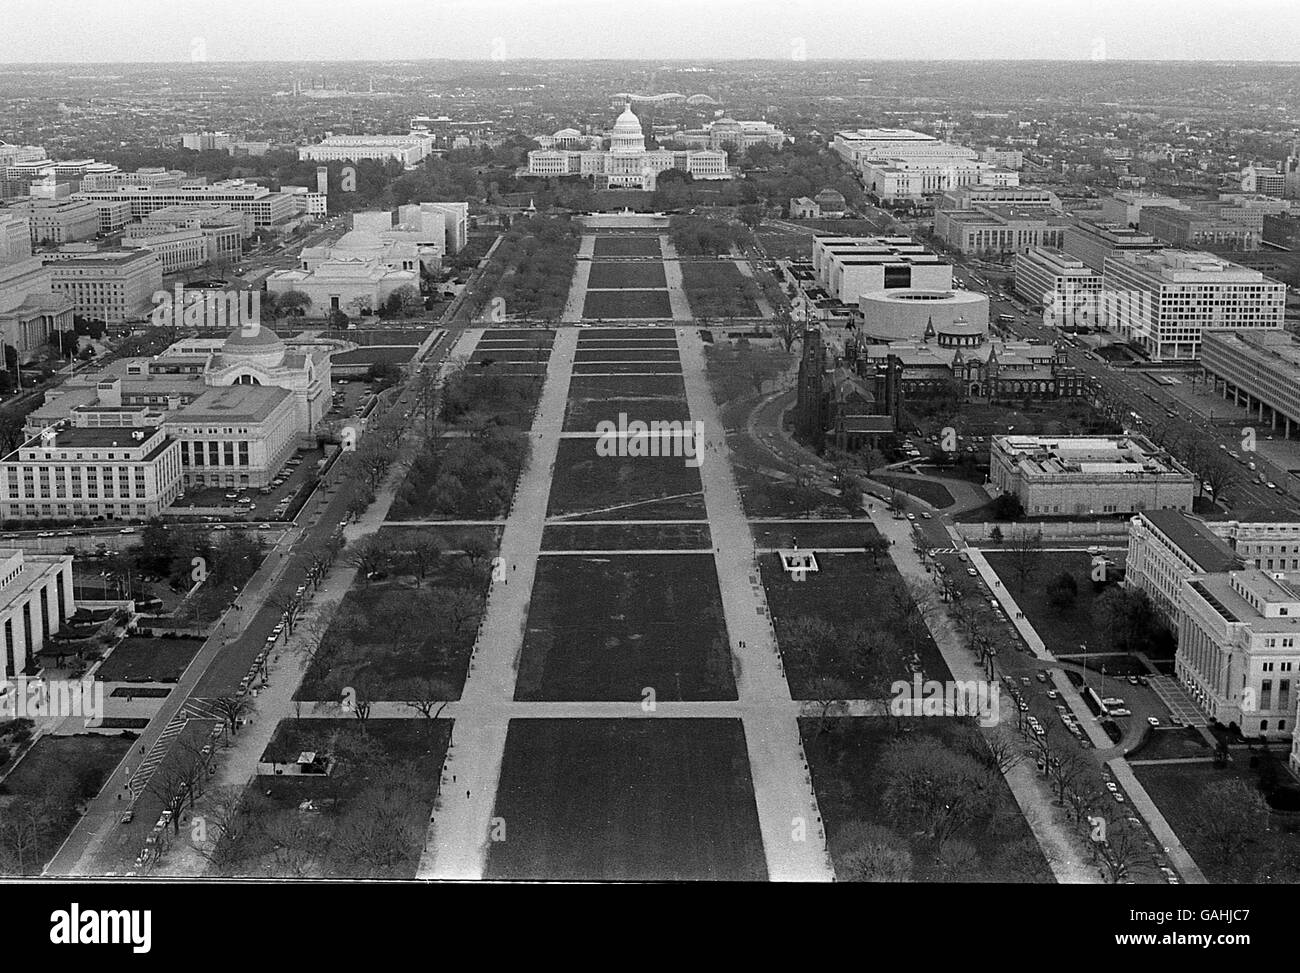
x: 194, y: 708
x: 200, y: 708
x: 944, y: 550
x: 157, y: 753
x: 1180, y: 704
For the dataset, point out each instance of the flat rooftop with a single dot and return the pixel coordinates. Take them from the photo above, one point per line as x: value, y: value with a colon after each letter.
x: 233, y: 403
x: 1087, y: 455
x: 1281, y: 347
x: 1207, y: 550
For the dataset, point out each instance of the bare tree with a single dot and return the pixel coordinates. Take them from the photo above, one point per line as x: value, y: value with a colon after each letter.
x: 231, y: 709
x: 370, y: 554
x: 933, y: 786
x: 428, y: 697
x: 1229, y: 814
x: 829, y: 692
x: 870, y: 853
x: 1002, y: 750
x: 421, y: 553
x: 1022, y: 861
x: 290, y: 607
x: 24, y: 829
x: 1025, y: 548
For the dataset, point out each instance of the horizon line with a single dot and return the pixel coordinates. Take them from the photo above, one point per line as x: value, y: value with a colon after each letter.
x: 721, y: 59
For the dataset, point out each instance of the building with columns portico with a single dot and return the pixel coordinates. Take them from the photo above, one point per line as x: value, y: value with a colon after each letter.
x: 1257, y: 370
x: 627, y: 164
x: 35, y: 601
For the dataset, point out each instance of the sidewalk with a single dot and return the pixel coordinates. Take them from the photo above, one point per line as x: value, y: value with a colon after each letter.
x: 455, y: 847
x: 677, y: 300
x: 782, y: 784
x: 1058, y: 843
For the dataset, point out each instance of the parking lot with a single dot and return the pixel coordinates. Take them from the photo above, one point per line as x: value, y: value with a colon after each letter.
x: 274, y: 502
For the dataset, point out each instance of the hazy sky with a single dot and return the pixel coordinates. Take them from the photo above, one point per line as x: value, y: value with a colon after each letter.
x: 241, y: 30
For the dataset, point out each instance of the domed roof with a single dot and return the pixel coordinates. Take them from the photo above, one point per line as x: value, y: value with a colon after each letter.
x: 627, y: 123
x: 251, y: 339
x: 566, y: 133
x: 960, y: 326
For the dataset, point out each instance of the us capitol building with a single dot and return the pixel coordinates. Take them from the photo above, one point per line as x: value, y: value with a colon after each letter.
x: 627, y: 164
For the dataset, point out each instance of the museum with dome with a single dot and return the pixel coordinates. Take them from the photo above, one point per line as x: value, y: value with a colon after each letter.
x: 626, y: 163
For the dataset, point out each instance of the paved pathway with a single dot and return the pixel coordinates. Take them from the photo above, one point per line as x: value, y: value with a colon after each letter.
x: 764, y: 305
x: 782, y: 785
x: 572, y: 312
x: 1054, y: 836
x: 456, y: 847
x: 677, y: 300
x: 1178, y: 854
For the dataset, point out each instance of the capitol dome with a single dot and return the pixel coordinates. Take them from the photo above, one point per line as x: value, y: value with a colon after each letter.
x: 627, y: 135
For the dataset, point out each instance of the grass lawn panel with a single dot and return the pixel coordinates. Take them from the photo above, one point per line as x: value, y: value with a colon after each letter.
x: 713, y: 288
x: 633, y: 368
x: 598, y: 334
x: 610, y: 627
x: 625, y: 537
x: 627, y: 304
x: 823, y: 594
x: 589, y: 484
x: 811, y: 535
x: 516, y: 333
x: 421, y: 742
x: 631, y: 800
x: 1177, y: 791
x: 935, y: 494
x: 527, y: 355
x: 607, y: 386
x: 625, y: 274
x: 846, y: 778
x: 1061, y: 630
x: 627, y: 246
x: 583, y: 415
x: 381, y: 659
x: 83, y: 761
x: 633, y: 354
x: 148, y: 660
x: 376, y: 355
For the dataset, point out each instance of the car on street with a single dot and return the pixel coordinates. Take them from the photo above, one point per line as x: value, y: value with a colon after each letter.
x: 972, y: 572
x: 1154, y: 721
x: 1121, y: 712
